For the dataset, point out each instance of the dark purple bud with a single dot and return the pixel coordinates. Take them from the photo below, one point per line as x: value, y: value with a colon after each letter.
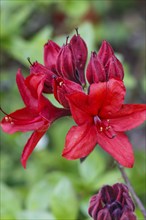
x: 105, y: 52
x: 112, y: 202
x: 80, y: 51
x: 128, y: 215
x: 103, y: 215
x: 51, y: 50
x: 114, y: 69
x: 107, y: 194
x: 95, y: 70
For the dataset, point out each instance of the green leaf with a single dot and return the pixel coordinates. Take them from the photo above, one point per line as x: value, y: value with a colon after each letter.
x: 64, y: 202
x: 21, y: 49
x: 40, y: 195
x: 37, y: 215
x: 9, y: 197
x: 91, y: 168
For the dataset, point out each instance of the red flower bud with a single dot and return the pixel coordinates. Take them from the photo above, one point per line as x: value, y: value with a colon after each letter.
x: 80, y: 51
x: 112, y: 202
x: 114, y: 68
x: 51, y: 50
x: 105, y: 52
x: 65, y: 63
x: 95, y: 70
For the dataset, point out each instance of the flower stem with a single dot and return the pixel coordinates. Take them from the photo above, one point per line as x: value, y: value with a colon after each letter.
x: 135, y: 197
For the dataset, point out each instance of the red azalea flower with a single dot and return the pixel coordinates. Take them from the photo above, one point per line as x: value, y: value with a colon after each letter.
x: 112, y: 202
x: 102, y: 118
x: 37, y: 116
x: 104, y: 65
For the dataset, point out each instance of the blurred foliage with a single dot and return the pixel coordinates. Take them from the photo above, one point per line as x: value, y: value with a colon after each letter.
x: 52, y: 187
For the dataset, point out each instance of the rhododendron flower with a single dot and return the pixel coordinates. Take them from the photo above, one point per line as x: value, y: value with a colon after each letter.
x: 112, y: 202
x: 38, y: 114
x: 102, y: 119
x: 100, y: 115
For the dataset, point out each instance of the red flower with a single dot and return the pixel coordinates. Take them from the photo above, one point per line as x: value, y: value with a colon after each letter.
x: 102, y: 118
x: 104, y: 65
x: 112, y: 202
x: 37, y: 116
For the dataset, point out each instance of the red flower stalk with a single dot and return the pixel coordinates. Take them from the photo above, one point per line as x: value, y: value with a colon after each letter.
x: 112, y: 203
x: 37, y: 116
x: 104, y: 65
x: 102, y: 118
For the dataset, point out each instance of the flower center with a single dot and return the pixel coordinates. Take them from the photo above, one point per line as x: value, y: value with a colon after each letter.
x: 103, y: 125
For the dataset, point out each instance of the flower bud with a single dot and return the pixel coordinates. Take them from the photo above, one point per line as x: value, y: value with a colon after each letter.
x: 112, y: 202
x: 51, y: 50
x: 105, y: 52
x: 114, y: 68
x: 95, y: 70
x: 79, y: 49
x: 66, y: 64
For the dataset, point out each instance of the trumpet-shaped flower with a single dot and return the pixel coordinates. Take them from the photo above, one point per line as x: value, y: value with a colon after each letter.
x: 102, y: 118
x: 37, y: 115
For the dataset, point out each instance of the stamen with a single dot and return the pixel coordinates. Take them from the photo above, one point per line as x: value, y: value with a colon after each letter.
x: 67, y: 40
x: 11, y: 122
x: 77, y: 31
x: 28, y: 58
x: 101, y: 129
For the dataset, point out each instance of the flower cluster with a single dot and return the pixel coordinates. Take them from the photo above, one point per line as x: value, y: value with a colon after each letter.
x: 98, y: 110
x: 112, y: 202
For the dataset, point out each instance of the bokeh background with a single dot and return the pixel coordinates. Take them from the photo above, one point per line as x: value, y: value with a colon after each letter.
x: 52, y: 187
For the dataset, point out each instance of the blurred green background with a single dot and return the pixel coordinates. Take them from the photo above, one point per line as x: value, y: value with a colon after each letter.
x: 52, y: 187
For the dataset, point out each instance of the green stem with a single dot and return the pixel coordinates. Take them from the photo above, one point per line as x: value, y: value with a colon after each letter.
x: 135, y: 197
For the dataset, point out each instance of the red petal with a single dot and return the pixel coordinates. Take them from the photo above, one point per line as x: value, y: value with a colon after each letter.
x: 31, y: 144
x: 80, y: 141
x: 62, y: 87
x: 39, y: 69
x: 80, y: 108
x: 119, y: 148
x: 27, y: 97
x: 22, y: 120
x: 112, y: 98
x: 51, y: 50
x: 129, y: 116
